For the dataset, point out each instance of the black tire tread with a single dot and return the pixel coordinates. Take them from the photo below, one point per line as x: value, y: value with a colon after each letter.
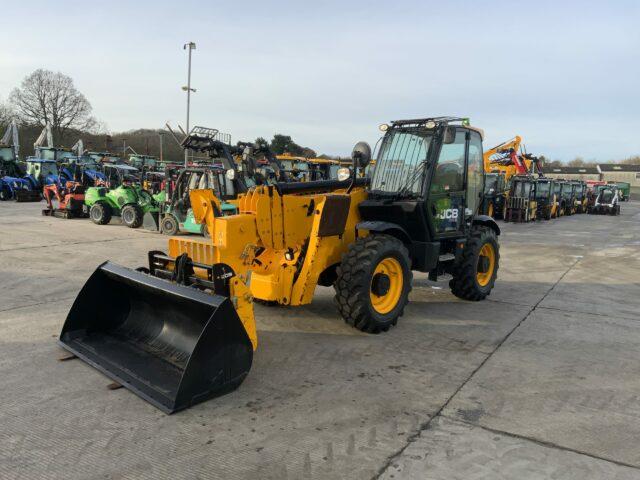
x: 106, y: 213
x: 463, y: 284
x: 352, y: 284
x: 138, y: 215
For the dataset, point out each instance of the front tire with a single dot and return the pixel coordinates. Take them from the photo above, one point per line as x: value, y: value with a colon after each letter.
x: 373, y: 283
x: 132, y: 215
x: 100, y: 213
x: 169, y: 225
x: 477, y: 269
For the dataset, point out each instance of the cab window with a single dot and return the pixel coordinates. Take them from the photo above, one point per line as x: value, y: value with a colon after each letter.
x: 449, y: 174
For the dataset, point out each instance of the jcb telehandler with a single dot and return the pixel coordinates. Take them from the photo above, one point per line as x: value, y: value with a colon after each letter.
x: 567, y: 197
x: 182, y: 330
x: 495, y: 189
x: 546, y: 200
x: 521, y: 205
x: 579, y: 196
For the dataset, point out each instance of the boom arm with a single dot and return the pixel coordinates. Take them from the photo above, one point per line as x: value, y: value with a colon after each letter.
x: 508, y: 158
x: 45, y: 135
x: 11, y: 138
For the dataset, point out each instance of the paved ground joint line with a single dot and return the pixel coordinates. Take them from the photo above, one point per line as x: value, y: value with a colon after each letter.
x: 63, y: 244
x: 426, y: 425
x: 37, y: 303
x: 606, y: 315
x: 543, y: 443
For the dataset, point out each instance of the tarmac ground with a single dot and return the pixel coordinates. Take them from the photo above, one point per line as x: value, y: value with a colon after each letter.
x: 539, y: 381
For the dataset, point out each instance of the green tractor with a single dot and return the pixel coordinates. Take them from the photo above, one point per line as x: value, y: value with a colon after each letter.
x: 125, y: 199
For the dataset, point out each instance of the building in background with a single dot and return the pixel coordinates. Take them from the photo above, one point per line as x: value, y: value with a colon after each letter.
x: 617, y: 172
x: 572, y: 173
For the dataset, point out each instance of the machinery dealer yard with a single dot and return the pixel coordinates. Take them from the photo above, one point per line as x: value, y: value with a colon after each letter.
x: 538, y: 381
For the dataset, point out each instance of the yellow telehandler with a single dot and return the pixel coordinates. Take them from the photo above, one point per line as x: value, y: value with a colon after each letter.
x: 182, y: 330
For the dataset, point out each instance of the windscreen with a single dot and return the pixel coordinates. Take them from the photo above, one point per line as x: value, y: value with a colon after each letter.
x: 401, y: 161
x: 49, y: 169
x: 606, y: 196
x: 543, y: 189
x: 490, y: 183
x: 521, y: 189
x: 6, y: 154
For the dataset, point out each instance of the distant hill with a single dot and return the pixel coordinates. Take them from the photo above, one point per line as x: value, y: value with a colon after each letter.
x: 144, y: 141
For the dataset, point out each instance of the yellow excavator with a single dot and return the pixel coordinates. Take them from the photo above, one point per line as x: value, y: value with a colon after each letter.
x: 181, y: 330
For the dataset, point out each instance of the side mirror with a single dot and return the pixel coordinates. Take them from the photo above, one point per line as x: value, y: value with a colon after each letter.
x: 449, y: 135
x: 361, y: 155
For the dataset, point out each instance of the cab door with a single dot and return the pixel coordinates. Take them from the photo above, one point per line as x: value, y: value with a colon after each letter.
x: 446, y: 204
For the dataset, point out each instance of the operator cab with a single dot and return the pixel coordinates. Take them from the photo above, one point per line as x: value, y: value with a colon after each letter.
x: 544, y: 187
x: 428, y: 182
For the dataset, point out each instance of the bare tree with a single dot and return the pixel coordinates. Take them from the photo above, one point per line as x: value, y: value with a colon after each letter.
x: 6, y: 113
x: 51, y: 97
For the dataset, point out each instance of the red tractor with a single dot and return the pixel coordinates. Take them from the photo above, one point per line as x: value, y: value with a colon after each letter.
x: 70, y: 200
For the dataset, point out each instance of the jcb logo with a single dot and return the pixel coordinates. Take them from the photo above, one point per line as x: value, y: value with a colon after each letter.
x: 450, y: 213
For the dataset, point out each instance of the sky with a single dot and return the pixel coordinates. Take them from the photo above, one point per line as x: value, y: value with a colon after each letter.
x: 562, y: 74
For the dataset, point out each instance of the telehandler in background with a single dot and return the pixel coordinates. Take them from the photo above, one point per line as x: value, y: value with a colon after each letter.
x: 495, y: 192
x: 580, y: 199
x: 567, y: 197
x: 181, y: 330
x: 546, y: 200
x: 521, y: 205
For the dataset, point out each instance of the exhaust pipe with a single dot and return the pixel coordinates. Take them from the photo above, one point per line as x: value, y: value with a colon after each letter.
x: 173, y: 345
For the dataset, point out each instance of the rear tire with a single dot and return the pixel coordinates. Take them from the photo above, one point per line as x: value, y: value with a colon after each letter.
x: 100, y: 213
x: 132, y: 215
x: 482, y: 252
x: 373, y: 283
x: 169, y: 225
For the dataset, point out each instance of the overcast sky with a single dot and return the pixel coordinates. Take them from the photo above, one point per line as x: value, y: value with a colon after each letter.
x: 563, y: 75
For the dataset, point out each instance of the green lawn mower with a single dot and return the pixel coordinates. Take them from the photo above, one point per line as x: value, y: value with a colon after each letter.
x: 125, y: 199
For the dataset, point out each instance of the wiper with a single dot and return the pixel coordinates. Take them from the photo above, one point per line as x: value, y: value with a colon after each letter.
x: 404, y: 189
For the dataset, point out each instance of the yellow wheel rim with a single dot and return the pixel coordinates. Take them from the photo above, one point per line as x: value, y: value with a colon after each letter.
x: 489, y: 253
x: 385, y: 302
x: 490, y: 212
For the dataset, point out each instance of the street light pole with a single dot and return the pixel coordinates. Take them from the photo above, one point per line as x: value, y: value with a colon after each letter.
x: 161, y: 135
x: 188, y: 46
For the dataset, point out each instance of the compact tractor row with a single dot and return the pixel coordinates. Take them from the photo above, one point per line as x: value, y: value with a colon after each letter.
x: 516, y: 189
x: 180, y: 329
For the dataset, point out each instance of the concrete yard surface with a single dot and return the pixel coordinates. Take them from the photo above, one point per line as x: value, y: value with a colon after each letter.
x: 540, y: 381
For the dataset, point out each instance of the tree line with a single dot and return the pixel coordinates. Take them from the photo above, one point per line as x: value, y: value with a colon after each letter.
x: 51, y: 98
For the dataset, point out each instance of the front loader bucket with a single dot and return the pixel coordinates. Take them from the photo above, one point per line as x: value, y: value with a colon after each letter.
x: 172, y: 345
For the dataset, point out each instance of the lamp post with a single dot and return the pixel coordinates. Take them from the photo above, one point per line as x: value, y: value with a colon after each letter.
x: 161, y: 135
x: 188, y: 46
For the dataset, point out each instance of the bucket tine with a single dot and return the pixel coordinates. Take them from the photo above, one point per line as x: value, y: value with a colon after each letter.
x: 173, y: 345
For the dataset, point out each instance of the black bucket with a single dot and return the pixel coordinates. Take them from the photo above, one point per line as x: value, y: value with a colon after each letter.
x: 172, y: 345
